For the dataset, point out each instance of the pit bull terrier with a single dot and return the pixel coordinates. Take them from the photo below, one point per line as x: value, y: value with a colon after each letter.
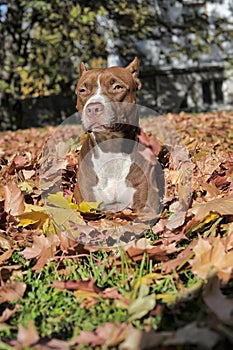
x: 112, y: 167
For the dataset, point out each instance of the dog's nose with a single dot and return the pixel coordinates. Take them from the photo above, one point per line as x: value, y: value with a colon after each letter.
x: 94, y: 109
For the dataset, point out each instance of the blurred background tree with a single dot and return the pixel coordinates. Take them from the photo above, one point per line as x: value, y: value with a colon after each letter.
x: 42, y: 43
x: 41, y: 46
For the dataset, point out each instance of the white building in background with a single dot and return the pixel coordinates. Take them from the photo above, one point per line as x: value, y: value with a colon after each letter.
x: 175, y: 82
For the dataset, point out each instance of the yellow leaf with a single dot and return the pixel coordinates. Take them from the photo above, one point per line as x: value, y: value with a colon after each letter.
x: 147, y: 279
x: 37, y: 218
x: 142, y: 305
x: 58, y: 200
x: 85, y: 294
x: 87, y: 207
x: 31, y: 207
x: 167, y: 298
x: 26, y: 187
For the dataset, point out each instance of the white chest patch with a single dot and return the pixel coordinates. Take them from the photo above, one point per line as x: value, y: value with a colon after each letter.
x: 113, y: 189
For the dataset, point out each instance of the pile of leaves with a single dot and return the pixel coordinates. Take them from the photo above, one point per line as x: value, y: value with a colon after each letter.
x: 171, y: 288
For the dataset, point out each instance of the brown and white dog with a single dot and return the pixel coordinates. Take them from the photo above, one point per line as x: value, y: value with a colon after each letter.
x: 112, y: 168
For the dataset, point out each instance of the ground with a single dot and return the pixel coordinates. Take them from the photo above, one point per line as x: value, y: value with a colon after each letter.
x: 172, y: 288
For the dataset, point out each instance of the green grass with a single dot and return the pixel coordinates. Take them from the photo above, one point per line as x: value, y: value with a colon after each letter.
x: 59, y: 313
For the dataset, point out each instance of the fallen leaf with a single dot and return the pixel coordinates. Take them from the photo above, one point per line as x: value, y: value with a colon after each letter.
x: 28, y: 174
x: 17, y: 163
x: 219, y: 304
x: 14, y: 200
x: 58, y: 200
x: 176, y: 220
x: 212, y: 256
x: 222, y: 206
x: 151, y: 142
x: 109, y: 334
x: 35, y: 218
x: 27, y: 336
x: 12, y: 291
x: 7, y: 313
x: 6, y: 255
x: 26, y: 187
x: 181, y: 259
x: 88, y: 207
x: 77, y: 285
x: 43, y: 248
x: 144, y: 303
x: 158, y: 251
x: 54, y: 344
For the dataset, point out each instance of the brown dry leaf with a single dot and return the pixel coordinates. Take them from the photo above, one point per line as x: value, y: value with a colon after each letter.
x: 27, y: 336
x: 5, y: 243
x: 6, y: 255
x: 172, y: 264
x: 53, y: 344
x: 88, y: 285
x: 222, y: 206
x: 18, y: 162
x: 12, y: 291
x: 190, y: 334
x: 176, y: 220
x: 212, y: 256
x: 218, y: 303
x: 43, y: 248
x: 28, y: 174
x: 137, y: 248
x: 7, y: 313
x: 87, y: 291
x: 14, y: 199
x: 109, y: 334
x: 151, y: 142
x: 139, y: 340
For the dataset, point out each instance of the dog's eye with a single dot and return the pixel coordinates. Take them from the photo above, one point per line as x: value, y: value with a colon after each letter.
x: 118, y: 87
x: 82, y: 90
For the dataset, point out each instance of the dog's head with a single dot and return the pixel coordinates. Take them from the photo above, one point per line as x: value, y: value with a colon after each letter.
x: 106, y: 97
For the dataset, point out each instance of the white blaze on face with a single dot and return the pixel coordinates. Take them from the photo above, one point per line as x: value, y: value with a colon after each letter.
x: 98, y: 97
x: 112, y: 188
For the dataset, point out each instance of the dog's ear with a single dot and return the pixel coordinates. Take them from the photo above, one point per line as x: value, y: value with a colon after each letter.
x: 82, y: 69
x: 133, y: 67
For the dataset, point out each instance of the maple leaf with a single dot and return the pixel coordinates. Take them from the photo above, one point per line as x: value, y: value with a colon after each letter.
x: 14, y: 199
x: 212, y: 256
x: 43, y: 248
x: 222, y: 206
